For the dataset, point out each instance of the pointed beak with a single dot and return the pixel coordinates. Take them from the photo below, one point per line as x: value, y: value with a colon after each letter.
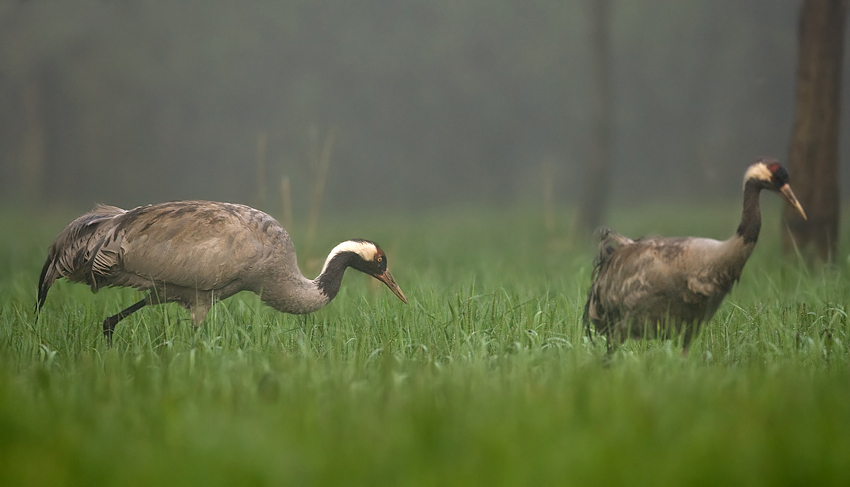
x: 789, y: 195
x: 387, y: 279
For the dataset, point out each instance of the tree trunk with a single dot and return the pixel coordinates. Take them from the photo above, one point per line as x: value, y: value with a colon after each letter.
x: 594, y: 194
x: 813, y: 157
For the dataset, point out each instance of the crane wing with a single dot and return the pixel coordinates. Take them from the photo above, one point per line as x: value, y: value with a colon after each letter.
x: 199, y: 245
x: 71, y: 254
x: 709, y: 273
x: 638, y: 272
x: 655, y: 277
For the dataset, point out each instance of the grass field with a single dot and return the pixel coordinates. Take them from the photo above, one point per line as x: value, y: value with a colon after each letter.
x: 485, y: 378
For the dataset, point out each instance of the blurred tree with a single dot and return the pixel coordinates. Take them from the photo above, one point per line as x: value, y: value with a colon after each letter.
x: 813, y: 157
x: 594, y: 193
x: 134, y: 102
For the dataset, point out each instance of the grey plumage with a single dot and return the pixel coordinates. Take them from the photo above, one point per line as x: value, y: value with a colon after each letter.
x: 662, y: 287
x: 195, y: 253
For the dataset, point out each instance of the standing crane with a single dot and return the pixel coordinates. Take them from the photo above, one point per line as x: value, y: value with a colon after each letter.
x: 658, y: 287
x: 196, y: 253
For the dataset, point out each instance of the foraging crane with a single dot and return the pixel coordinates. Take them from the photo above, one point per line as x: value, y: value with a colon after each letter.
x: 655, y: 287
x: 196, y: 253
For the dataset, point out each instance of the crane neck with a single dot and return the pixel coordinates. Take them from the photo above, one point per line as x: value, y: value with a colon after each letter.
x: 329, y: 281
x: 750, y: 225
x: 296, y: 294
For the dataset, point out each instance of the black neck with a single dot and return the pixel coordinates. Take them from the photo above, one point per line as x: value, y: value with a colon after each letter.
x: 751, y: 216
x: 329, y: 281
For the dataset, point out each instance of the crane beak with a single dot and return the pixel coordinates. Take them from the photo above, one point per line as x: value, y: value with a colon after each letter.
x: 387, y: 279
x: 789, y: 195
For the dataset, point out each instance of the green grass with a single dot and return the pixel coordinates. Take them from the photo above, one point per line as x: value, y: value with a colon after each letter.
x: 485, y: 378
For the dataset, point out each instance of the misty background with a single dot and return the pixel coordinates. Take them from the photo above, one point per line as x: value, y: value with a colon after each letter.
x: 428, y: 104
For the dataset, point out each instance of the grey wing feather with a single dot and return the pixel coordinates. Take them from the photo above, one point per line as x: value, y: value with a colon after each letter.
x: 636, y: 277
x: 711, y: 280
x: 193, y: 244
x: 71, y: 253
x: 198, y: 245
x: 632, y: 275
x: 609, y: 242
x: 653, y: 278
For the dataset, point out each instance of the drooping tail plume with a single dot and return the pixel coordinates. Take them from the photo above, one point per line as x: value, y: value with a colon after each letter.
x: 609, y: 241
x: 73, y: 252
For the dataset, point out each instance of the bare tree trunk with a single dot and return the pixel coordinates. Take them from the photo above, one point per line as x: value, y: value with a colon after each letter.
x: 813, y: 157
x: 594, y: 195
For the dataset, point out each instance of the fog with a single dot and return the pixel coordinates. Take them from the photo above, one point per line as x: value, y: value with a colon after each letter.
x: 426, y: 104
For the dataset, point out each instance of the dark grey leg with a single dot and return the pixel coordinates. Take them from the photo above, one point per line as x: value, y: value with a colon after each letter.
x: 109, y: 323
x: 690, y: 331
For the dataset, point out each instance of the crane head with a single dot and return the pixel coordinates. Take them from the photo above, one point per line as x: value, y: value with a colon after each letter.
x: 368, y: 258
x: 769, y: 174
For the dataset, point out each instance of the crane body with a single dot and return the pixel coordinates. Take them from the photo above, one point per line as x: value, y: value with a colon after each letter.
x: 196, y: 253
x: 657, y: 287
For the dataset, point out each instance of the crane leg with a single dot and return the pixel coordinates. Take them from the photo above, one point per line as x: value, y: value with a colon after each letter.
x: 686, y: 339
x: 199, y: 314
x: 109, y: 323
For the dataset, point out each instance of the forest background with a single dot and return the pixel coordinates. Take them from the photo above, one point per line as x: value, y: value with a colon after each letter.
x: 427, y: 105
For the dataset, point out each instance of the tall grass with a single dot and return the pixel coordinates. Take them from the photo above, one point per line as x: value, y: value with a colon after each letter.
x: 485, y: 378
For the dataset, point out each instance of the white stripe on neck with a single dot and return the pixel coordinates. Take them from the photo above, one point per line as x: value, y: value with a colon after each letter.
x: 758, y: 171
x: 366, y: 250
